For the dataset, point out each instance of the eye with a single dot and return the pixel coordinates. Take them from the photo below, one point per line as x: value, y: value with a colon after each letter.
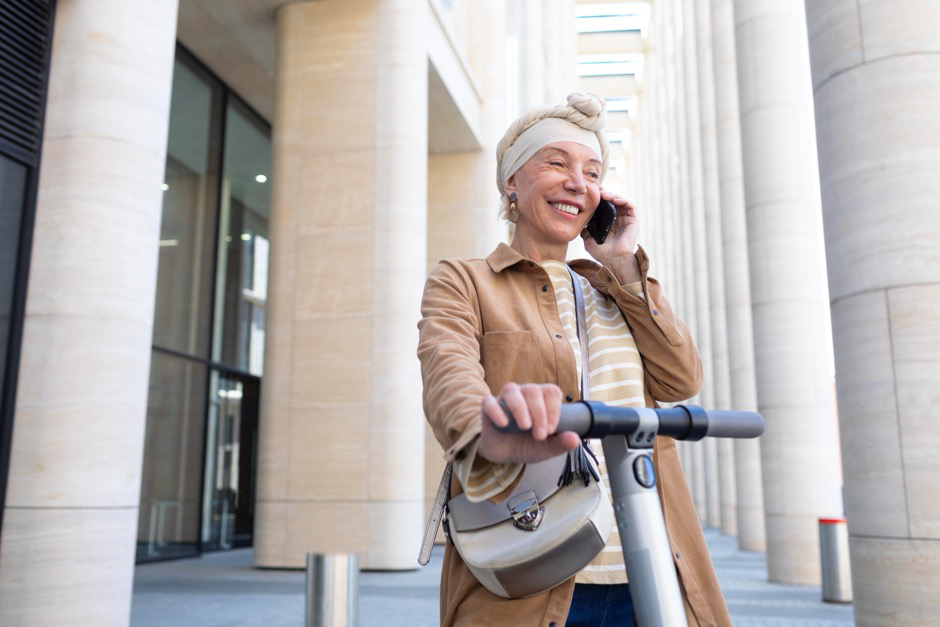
x: 556, y: 163
x: 594, y: 175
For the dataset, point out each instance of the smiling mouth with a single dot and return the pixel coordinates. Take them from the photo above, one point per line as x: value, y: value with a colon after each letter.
x: 565, y: 208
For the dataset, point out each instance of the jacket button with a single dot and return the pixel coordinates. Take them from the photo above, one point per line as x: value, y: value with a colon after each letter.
x: 558, y: 336
x: 677, y: 555
x: 568, y: 398
x: 655, y: 312
x: 544, y: 288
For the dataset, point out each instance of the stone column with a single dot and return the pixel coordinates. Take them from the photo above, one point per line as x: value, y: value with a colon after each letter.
x: 749, y: 489
x: 463, y: 202
x: 694, y: 229
x: 341, y: 460
x: 799, y: 449
x: 698, y: 23
x: 878, y: 161
x: 70, y: 517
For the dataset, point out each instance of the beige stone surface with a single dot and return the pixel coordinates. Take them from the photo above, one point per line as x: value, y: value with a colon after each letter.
x: 872, y: 455
x: 74, y: 477
x: 323, y: 526
x: 337, y: 280
x: 325, y: 442
x: 879, y: 193
x: 799, y: 448
x: 349, y: 216
x: 789, y: 374
x: 801, y: 476
x: 792, y: 547
x: 835, y: 37
x: 395, y: 532
x: 766, y: 51
x: 915, y: 338
x: 328, y: 360
x: 345, y: 209
x: 699, y: 20
x: 73, y: 271
x: 750, y: 496
x: 712, y: 482
x: 727, y: 491
x: 80, y: 413
x: 292, y: 529
x: 270, y: 532
x: 895, y: 581
x: 899, y: 27
x: 698, y: 478
x: 67, y: 566
x: 882, y: 181
x: 749, y: 489
x: 274, y: 435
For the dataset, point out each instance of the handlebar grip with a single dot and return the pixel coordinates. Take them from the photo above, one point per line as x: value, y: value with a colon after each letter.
x: 512, y: 427
x: 734, y: 424
x: 574, y: 417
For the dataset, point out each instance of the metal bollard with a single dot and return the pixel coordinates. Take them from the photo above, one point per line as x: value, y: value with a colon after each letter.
x: 834, y: 555
x: 332, y: 590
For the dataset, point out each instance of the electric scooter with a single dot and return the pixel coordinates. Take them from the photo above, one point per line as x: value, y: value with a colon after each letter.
x: 627, y: 434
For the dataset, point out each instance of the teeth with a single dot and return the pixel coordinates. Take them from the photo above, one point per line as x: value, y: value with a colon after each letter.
x: 566, y: 208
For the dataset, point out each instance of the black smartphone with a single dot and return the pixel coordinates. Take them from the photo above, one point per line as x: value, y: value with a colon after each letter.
x: 601, y: 221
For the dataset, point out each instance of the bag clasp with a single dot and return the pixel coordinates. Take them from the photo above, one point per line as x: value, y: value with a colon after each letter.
x: 526, y: 511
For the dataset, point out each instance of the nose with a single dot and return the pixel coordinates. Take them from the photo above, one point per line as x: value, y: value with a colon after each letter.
x: 575, y: 182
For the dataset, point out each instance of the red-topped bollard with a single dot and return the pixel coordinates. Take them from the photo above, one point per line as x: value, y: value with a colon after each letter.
x: 834, y: 556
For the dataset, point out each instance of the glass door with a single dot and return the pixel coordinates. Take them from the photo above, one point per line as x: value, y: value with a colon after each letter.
x: 231, y: 436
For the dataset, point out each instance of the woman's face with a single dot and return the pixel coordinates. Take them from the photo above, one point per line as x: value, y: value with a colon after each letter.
x: 557, y: 191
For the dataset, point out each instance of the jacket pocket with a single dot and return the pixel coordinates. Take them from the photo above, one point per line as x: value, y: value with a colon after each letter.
x: 510, y: 356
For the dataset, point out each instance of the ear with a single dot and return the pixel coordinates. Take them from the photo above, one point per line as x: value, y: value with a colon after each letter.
x: 510, y: 185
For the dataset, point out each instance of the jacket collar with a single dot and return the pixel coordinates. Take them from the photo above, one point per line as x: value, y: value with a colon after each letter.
x: 503, y: 257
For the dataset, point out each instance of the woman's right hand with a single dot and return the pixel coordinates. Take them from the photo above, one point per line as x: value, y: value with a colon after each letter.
x: 534, y: 406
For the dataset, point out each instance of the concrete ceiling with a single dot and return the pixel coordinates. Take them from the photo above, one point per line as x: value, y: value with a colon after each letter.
x: 237, y: 40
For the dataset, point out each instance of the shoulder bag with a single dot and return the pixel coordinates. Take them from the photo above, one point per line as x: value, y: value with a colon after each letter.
x: 552, y: 525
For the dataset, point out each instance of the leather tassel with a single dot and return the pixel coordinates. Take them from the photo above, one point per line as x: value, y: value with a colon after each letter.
x: 577, y: 466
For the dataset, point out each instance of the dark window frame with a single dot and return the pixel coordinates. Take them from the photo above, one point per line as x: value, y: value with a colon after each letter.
x: 21, y: 273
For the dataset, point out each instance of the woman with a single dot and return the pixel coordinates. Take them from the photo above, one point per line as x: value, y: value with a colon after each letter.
x: 501, y: 329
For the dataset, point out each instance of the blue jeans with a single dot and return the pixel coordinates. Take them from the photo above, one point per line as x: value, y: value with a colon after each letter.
x: 601, y: 606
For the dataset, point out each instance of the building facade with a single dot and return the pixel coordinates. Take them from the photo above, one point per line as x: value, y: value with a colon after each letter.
x: 216, y: 219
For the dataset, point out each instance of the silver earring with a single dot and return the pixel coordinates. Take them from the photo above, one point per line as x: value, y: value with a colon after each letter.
x: 513, y: 214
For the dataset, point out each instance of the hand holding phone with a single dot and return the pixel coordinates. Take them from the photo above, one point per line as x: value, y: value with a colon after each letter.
x: 601, y: 221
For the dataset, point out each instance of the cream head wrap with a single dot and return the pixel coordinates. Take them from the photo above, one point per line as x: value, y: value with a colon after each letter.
x: 581, y: 121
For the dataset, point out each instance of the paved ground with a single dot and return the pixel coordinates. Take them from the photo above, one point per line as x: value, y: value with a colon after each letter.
x: 223, y: 590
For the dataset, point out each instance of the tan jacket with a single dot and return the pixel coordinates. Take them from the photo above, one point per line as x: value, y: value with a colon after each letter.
x: 488, y: 322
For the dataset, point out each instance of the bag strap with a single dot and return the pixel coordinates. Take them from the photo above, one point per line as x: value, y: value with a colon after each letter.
x: 582, y: 332
x: 437, y: 513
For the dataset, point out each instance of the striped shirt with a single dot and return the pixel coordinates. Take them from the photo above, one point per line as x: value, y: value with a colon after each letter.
x: 615, y: 378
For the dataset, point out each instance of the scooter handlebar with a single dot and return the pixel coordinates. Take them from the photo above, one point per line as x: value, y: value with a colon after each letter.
x: 682, y: 422
x: 734, y: 424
